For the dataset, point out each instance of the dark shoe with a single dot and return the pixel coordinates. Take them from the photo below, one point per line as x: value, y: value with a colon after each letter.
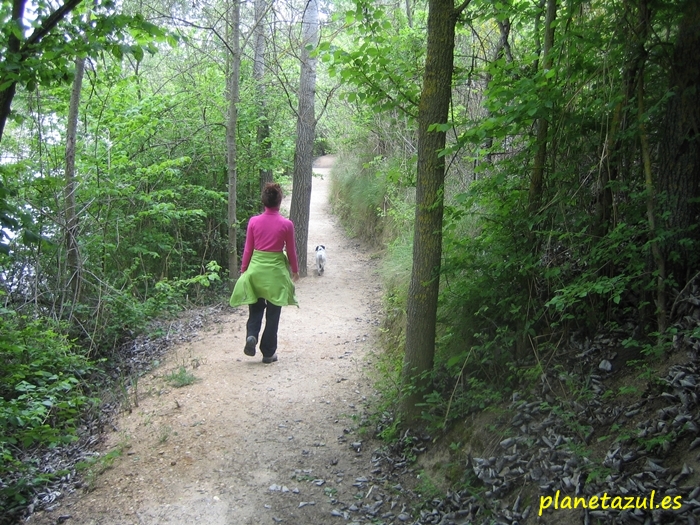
x: 271, y: 359
x: 250, y: 343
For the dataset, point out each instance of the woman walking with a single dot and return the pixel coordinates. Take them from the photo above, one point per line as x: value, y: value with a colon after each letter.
x: 268, y: 274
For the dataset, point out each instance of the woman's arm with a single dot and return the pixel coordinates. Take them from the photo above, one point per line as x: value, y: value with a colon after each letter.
x: 291, y: 249
x: 248, y: 248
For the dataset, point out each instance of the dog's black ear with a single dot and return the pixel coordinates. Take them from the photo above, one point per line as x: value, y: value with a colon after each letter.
x: 322, y: 246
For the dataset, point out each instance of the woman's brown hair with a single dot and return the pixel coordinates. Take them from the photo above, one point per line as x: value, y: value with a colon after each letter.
x: 272, y: 195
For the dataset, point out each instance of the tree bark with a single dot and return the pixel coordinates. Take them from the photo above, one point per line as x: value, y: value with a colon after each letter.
x: 409, y: 14
x: 231, y: 145
x: 306, y: 128
x: 538, y: 40
x: 537, y: 180
x: 19, y: 51
x: 611, y: 163
x: 263, y: 128
x: 13, y: 48
x: 679, y: 162
x: 502, y: 48
x: 643, y: 31
x: 421, y: 308
x: 651, y: 214
x: 72, y: 250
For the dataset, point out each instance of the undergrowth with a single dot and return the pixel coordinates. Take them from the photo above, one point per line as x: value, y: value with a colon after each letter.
x: 365, y: 195
x: 42, y: 399
x: 50, y: 383
x: 508, y: 301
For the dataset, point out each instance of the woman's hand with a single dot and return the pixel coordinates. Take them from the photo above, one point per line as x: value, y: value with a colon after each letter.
x: 295, y: 276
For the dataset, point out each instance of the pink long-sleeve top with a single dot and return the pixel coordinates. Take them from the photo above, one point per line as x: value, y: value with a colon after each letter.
x: 270, y: 232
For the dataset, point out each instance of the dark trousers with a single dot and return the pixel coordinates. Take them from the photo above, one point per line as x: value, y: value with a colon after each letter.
x: 268, y: 343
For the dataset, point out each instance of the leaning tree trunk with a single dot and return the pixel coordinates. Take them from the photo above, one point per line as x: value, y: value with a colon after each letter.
x: 306, y: 129
x: 21, y: 50
x: 263, y: 129
x: 231, y: 146
x: 13, y: 49
x: 421, y: 308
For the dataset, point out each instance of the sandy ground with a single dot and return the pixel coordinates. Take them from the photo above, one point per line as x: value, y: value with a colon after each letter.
x: 252, y: 443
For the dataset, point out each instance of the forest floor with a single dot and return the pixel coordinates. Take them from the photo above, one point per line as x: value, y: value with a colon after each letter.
x: 247, y: 442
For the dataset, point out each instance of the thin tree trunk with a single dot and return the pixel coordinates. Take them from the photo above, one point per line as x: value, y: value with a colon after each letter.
x: 306, y: 129
x: 537, y: 180
x: 421, y: 308
x: 263, y: 128
x: 72, y: 250
x: 651, y: 216
x: 643, y: 31
x: 608, y: 173
x: 231, y: 146
x: 502, y: 48
x: 536, y: 31
x: 610, y: 164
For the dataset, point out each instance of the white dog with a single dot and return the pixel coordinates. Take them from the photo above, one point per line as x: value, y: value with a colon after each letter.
x: 320, y: 258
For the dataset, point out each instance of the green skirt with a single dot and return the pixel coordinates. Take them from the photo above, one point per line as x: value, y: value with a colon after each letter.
x: 268, y: 276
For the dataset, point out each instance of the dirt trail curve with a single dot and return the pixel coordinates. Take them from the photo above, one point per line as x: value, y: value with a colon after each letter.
x: 251, y: 443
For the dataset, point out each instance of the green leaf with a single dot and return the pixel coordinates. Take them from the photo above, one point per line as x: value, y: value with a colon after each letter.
x: 440, y: 128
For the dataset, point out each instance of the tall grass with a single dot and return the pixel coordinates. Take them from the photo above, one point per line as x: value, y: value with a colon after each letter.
x: 375, y: 203
x: 364, y: 194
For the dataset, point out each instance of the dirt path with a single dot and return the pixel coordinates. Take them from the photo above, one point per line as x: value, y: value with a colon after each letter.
x: 250, y: 443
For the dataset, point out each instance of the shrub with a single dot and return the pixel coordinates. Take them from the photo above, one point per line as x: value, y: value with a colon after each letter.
x: 41, y: 400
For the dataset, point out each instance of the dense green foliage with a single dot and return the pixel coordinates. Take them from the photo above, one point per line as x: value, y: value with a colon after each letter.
x: 526, y: 267
x: 547, y: 236
x: 41, y: 400
x: 150, y: 198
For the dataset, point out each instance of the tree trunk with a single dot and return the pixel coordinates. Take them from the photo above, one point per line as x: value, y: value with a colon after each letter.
x: 13, y: 47
x: 643, y: 31
x: 263, y: 128
x: 421, y: 308
x: 651, y: 214
x: 536, y: 31
x: 19, y: 51
x: 679, y: 162
x: 502, y: 48
x: 72, y: 251
x: 306, y: 128
x: 608, y: 173
x: 231, y: 146
x: 537, y: 180
x: 409, y: 14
